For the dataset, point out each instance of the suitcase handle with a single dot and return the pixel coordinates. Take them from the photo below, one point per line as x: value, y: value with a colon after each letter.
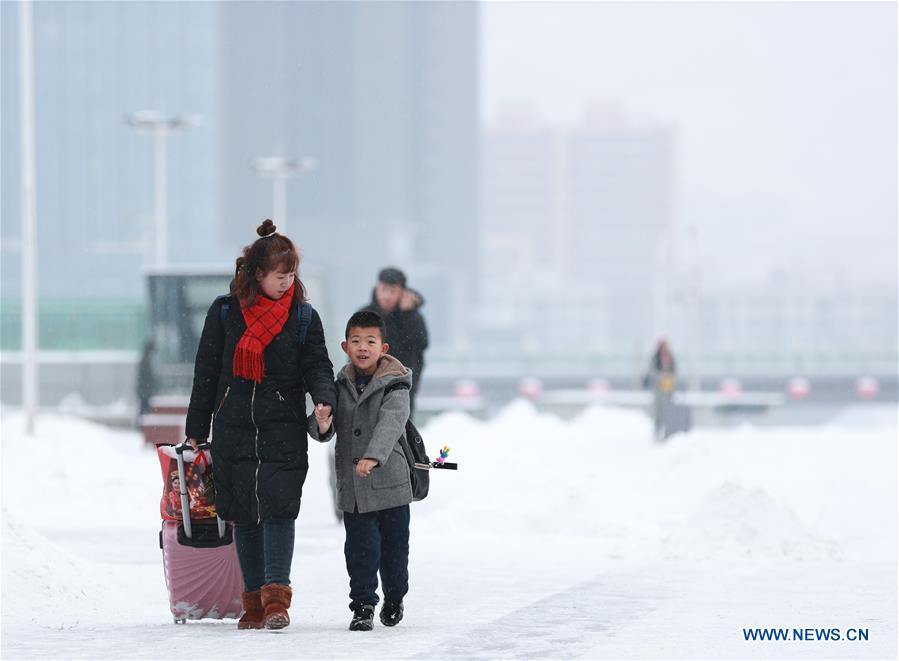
x: 184, y: 445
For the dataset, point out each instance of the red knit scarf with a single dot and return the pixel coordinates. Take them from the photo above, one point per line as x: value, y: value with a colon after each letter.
x: 265, y: 319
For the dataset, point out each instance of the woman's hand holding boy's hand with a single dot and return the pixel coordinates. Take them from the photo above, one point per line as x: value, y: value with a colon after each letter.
x: 364, y: 466
x: 323, y: 417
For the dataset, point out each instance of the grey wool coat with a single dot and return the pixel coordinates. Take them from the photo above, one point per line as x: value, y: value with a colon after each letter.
x: 370, y: 426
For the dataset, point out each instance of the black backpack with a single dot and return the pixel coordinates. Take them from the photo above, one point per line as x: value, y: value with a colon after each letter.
x: 416, y: 456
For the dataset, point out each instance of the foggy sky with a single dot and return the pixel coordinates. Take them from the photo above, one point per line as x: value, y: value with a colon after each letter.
x: 785, y: 116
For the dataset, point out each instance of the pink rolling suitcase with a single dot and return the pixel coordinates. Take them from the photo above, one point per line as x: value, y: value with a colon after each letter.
x: 198, y: 553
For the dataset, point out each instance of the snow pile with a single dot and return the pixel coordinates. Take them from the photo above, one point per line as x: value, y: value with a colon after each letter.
x: 73, y: 476
x: 529, y: 472
x: 45, y: 585
x: 736, y: 521
x: 79, y: 475
x: 800, y: 493
x: 806, y: 492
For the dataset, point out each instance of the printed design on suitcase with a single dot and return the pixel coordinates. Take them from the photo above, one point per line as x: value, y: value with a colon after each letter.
x: 200, y: 487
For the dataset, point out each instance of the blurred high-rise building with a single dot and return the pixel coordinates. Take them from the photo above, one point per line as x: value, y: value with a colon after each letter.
x: 384, y: 96
x: 584, y: 211
x: 620, y: 205
x: 521, y: 193
x: 96, y: 63
x: 584, y: 267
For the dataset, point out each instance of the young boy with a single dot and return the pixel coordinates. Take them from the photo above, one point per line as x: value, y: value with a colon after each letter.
x: 374, y: 488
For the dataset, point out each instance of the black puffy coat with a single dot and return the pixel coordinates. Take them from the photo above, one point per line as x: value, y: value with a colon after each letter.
x: 259, y: 431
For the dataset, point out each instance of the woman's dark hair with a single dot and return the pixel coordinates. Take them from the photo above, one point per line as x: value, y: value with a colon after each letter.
x: 270, y: 252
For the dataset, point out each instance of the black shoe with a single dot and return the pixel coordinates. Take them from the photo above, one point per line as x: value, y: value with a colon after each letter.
x: 363, y: 618
x: 391, y: 613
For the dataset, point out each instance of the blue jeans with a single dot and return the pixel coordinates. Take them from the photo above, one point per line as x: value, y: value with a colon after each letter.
x: 377, y: 541
x: 265, y: 551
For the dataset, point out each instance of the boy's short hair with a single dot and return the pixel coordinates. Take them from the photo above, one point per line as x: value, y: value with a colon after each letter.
x: 366, y: 319
x: 392, y: 276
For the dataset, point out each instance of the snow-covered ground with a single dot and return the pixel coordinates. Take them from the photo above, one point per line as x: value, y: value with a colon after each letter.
x: 556, y: 538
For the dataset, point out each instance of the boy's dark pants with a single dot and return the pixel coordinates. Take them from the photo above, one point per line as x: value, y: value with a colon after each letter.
x: 377, y: 540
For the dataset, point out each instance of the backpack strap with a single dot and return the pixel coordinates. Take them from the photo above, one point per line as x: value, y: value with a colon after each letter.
x: 304, y: 311
x: 400, y: 385
x: 410, y: 431
x: 226, y: 306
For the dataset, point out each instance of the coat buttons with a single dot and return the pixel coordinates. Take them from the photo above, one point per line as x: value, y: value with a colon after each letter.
x: 357, y: 432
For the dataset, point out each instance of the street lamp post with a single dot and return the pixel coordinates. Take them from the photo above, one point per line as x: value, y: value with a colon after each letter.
x: 151, y: 122
x: 279, y: 169
x: 29, y: 220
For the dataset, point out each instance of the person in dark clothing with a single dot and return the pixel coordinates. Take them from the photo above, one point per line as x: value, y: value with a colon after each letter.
x: 407, y: 334
x: 146, y: 377
x: 251, y: 375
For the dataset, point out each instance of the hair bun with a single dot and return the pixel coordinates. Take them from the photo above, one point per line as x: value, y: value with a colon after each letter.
x: 267, y: 227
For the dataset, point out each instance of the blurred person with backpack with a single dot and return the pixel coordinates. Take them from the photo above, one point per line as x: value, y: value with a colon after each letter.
x: 662, y: 379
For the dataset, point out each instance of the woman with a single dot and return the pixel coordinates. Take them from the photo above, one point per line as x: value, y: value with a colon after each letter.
x: 662, y: 379
x: 259, y: 352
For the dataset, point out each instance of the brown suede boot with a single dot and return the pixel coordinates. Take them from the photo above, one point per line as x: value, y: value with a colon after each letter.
x: 253, y: 613
x: 276, y: 601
